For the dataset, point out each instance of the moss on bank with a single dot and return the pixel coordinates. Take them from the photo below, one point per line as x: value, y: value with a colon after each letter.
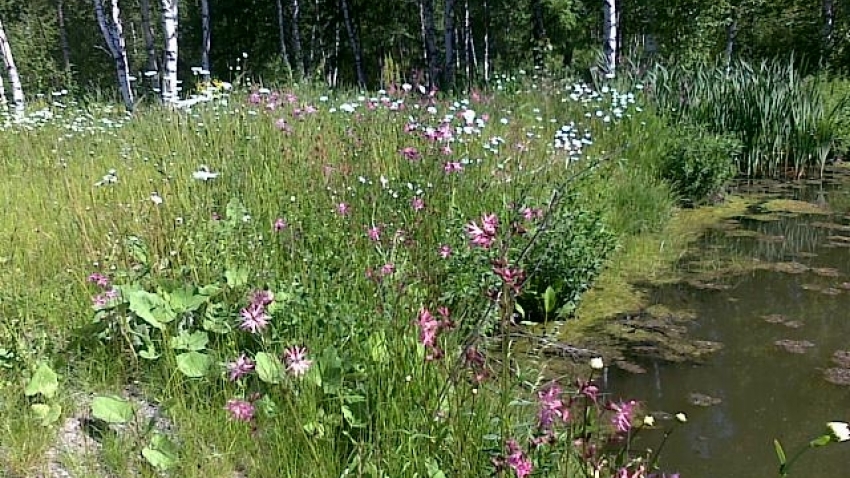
x: 647, y: 258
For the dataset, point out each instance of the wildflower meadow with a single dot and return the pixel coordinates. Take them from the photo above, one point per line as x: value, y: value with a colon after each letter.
x: 302, y: 282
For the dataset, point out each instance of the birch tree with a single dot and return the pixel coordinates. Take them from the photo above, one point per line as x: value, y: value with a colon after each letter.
x: 63, y: 35
x: 170, y: 21
x: 14, y: 78
x: 609, y: 36
x: 448, y: 35
x: 296, y: 38
x: 113, y: 33
x: 828, y: 25
x: 206, y: 35
x: 281, y: 28
x: 151, y: 63
x: 429, y: 35
x: 354, y: 42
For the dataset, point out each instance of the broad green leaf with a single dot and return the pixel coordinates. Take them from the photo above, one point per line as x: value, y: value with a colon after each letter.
x: 236, y: 277
x: 331, y: 366
x: 268, y: 367
x: 44, y: 381
x: 112, y: 409
x: 184, y: 300
x: 549, y: 300
x: 150, y: 307
x: 195, y: 341
x: 48, y: 414
x: 193, y: 364
x: 161, y: 452
x: 433, y: 469
x: 209, y: 290
x: 519, y: 309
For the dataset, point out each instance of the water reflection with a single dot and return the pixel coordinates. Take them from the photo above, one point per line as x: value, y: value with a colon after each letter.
x: 762, y: 391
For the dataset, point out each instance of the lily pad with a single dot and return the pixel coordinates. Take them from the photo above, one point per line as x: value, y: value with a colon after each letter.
x: 797, y: 207
x: 842, y: 358
x: 826, y: 271
x: 838, y: 376
x: 703, y: 400
x: 775, y: 318
x: 794, y: 346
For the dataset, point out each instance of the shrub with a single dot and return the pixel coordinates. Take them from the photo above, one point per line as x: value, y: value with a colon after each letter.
x: 698, y: 163
x: 567, y: 257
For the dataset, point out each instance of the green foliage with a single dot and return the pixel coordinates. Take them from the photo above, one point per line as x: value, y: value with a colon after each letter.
x: 779, y: 117
x: 698, y: 164
x: 570, y: 252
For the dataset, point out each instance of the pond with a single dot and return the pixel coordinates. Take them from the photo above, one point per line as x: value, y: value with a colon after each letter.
x: 782, y: 315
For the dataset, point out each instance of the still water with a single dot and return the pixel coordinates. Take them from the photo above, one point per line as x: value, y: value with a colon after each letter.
x: 760, y: 390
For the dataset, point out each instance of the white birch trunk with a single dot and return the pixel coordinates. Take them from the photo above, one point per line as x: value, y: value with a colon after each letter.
x: 114, y: 35
x: 152, y: 64
x: 63, y: 35
x: 609, y: 36
x: 3, y: 101
x: 486, y: 41
x: 206, y: 37
x: 14, y: 78
x: 297, y: 60
x: 281, y: 28
x: 170, y: 20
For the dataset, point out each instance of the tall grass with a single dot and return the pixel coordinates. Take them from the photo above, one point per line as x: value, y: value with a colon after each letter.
x: 350, y: 283
x: 781, y: 118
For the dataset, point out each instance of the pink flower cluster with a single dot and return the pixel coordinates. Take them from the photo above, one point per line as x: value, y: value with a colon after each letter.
x: 623, y: 415
x: 254, y: 316
x: 551, y: 407
x: 430, y: 329
x: 109, y: 293
x: 485, y: 234
x: 516, y: 459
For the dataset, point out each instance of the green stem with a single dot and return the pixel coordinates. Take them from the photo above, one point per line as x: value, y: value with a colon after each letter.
x: 785, y: 467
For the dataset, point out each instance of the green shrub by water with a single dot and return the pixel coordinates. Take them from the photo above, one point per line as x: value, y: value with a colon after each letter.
x: 698, y: 164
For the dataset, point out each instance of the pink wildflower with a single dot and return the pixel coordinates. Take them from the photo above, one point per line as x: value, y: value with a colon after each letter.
x: 262, y: 297
x: 374, y: 233
x: 428, y: 328
x: 623, y: 414
x: 254, y: 318
x: 240, y: 367
x: 445, y: 251
x: 551, y: 407
x: 484, y: 235
x: 280, y: 224
x: 517, y: 460
x: 532, y: 213
x: 512, y: 276
x: 417, y: 204
x: 99, y: 279
x: 452, y: 167
x: 410, y: 153
x: 343, y: 209
x: 446, y: 150
x: 254, y: 98
x: 282, y: 125
x: 589, y: 390
x: 296, y: 360
x: 240, y: 410
x: 387, y: 269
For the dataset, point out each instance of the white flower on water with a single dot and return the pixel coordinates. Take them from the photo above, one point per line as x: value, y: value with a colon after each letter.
x: 596, y: 363
x: 681, y: 417
x: 840, y: 431
x: 649, y: 420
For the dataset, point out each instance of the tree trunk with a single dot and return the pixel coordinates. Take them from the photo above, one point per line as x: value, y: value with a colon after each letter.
x: 731, y: 35
x: 538, y: 33
x: 297, y: 59
x: 487, y: 47
x: 310, y: 60
x: 205, y: 39
x: 151, y: 64
x: 355, y: 44
x: 113, y: 33
x: 63, y: 36
x: 430, y: 33
x: 469, y: 51
x: 609, y: 37
x: 828, y: 26
x: 170, y: 24
x: 3, y: 101
x: 14, y: 78
x: 281, y: 28
x: 448, y: 35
